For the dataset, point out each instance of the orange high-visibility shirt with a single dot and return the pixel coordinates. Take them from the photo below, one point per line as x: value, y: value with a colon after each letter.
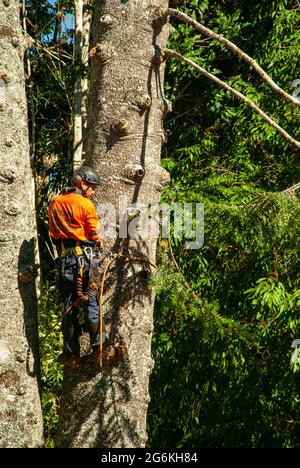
x: 72, y: 216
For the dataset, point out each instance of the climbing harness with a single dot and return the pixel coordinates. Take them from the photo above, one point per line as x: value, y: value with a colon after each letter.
x: 111, y: 352
x: 65, y: 251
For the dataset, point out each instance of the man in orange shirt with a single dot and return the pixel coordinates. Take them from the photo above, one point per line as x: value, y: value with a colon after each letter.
x: 74, y: 229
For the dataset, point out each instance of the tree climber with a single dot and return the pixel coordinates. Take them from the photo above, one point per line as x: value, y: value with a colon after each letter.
x: 74, y: 230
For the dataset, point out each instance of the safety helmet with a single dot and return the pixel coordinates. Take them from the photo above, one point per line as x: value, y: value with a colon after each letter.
x: 86, y: 173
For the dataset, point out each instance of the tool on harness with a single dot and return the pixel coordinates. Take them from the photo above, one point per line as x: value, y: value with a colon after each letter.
x: 88, y: 252
x: 92, y: 283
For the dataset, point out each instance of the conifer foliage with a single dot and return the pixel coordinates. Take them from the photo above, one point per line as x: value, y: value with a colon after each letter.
x: 226, y: 373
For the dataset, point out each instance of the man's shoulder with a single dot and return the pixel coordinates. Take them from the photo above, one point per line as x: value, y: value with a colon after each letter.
x: 84, y: 202
x: 53, y: 199
x: 68, y: 196
x: 73, y: 198
x: 59, y: 197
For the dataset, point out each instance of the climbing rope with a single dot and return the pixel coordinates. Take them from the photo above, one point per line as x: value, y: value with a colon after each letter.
x: 92, y: 288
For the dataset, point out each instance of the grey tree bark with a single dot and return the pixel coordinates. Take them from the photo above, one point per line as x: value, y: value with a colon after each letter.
x: 77, y: 144
x: 126, y: 110
x: 81, y: 50
x: 20, y: 411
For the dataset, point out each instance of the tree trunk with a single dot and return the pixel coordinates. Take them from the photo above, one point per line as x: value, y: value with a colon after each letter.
x: 81, y: 48
x: 20, y: 411
x: 126, y: 109
x: 77, y: 143
x: 87, y: 18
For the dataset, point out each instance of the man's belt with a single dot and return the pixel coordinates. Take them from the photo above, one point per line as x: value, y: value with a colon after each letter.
x: 68, y: 247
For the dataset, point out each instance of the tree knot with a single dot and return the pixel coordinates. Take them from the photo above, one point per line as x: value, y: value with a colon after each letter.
x: 101, y: 52
x: 134, y: 172
x: 159, y: 17
x: 106, y: 21
x: 120, y: 127
x: 159, y: 56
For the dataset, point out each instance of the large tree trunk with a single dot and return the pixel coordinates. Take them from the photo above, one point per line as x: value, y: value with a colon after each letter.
x: 77, y: 143
x: 20, y: 411
x: 126, y: 111
x: 81, y: 49
x: 86, y: 27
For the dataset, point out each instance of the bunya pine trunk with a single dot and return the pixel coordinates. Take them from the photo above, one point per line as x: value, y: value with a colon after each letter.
x: 125, y: 135
x: 20, y: 410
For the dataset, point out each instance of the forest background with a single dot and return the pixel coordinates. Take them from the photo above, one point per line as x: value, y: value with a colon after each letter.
x: 226, y: 315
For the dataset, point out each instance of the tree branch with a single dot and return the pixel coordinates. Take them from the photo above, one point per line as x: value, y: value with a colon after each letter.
x: 286, y: 136
x: 217, y: 37
x: 292, y: 189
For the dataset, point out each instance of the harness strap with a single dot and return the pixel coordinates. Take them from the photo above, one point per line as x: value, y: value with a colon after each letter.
x: 69, y: 251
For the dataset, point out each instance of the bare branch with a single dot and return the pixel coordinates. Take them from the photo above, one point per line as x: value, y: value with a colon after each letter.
x: 286, y: 136
x: 292, y: 189
x: 217, y: 37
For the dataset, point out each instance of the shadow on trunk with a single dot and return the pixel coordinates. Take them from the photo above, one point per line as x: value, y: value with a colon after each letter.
x: 26, y: 281
x: 100, y: 391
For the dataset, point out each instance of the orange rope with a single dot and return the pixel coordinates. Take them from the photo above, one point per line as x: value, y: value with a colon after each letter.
x: 129, y: 258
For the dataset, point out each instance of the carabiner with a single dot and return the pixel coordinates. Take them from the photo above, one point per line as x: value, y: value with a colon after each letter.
x: 88, y: 252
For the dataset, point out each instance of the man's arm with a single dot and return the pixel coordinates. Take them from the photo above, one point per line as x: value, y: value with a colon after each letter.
x: 93, y: 226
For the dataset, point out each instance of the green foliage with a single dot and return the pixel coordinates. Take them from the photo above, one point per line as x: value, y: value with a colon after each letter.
x: 51, y: 370
x: 223, y: 362
x: 50, y: 104
x: 226, y: 374
x: 228, y: 135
